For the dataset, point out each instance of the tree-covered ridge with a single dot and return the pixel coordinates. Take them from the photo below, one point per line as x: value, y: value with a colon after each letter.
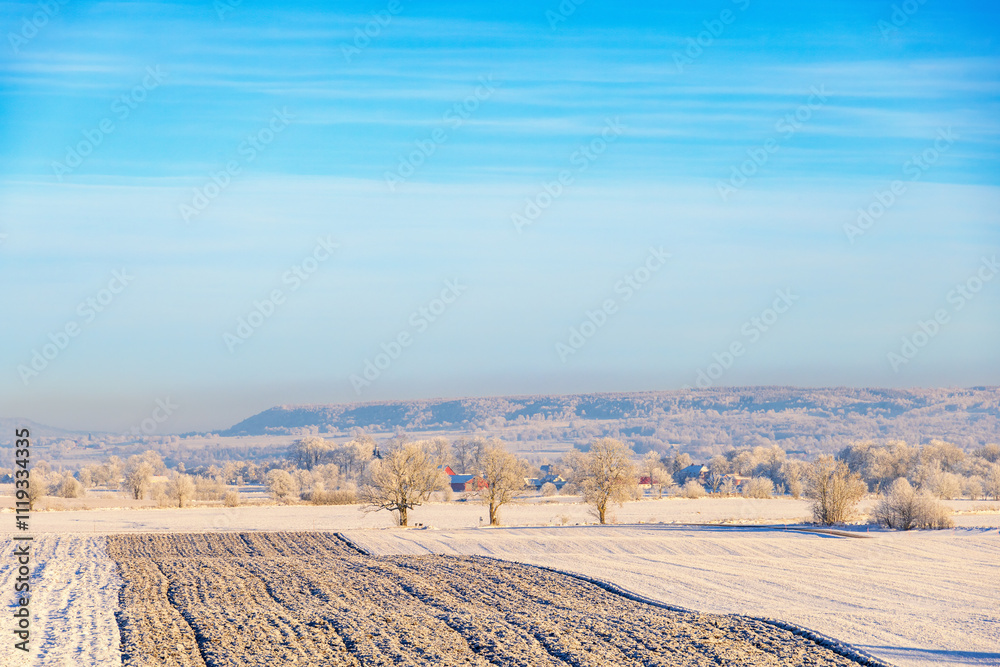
x: 807, y: 419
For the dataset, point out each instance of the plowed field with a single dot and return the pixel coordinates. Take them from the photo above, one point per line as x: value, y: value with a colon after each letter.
x: 311, y: 599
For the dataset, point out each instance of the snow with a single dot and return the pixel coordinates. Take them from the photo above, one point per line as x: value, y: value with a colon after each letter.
x: 75, y: 594
x: 449, y: 515
x: 919, y: 598
x: 914, y: 599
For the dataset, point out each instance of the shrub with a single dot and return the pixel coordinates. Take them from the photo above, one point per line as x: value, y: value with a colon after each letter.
x: 338, y: 497
x: 70, y: 487
x: 445, y: 495
x: 548, y: 489
x: 973, y: 488
x: 569, y: 489
x: 835, y: 490
x: 727, y: 488
x: 693, y: 489
x: 758, y: 487
x: 208, y: 488
x: 903, y: 508
x: 280, y: 483
x: 231, y: 499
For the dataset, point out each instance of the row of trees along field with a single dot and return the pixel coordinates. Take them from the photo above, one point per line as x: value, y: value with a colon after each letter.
x: 398, y: 474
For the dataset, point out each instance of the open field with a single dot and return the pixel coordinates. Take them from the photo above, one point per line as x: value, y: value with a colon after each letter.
x: 557, y: 511
x: 308, y: 598
x: 914, y: 599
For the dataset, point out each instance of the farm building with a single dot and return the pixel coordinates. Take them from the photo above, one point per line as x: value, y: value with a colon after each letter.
x: 737, y: 481
x: 537, y: 482
x: 467, y: 483
x: 698, y: 472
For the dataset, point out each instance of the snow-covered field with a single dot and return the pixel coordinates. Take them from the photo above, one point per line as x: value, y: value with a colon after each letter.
x: 914, y: 599
x: 75, y: 587
x: 919, y: 598
x: 451, y: 515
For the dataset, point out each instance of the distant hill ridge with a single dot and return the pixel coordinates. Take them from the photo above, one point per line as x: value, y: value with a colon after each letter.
x: 970, y: 415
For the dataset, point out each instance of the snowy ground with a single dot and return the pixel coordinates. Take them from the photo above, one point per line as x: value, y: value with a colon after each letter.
x: 75, y: 587
x: 922, y: 598
x: 451, y: 515
x: 914, y: 599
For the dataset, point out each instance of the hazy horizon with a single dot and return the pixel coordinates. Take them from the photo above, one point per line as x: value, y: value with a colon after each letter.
x: 234, y: 206
x: 169, y: 404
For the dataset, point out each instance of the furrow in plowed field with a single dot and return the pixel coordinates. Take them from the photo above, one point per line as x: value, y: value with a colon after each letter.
x: 309, y: 599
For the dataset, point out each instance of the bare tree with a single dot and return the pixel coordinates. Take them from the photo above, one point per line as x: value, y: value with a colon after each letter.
x: 38, y: 486
x: 793, y: 473
x: 109, y: 473
x: 155, y: 461
x: 440, y: 449
x: 718, y: 468
x: 466, y: 452
x: 402, y: 479
x: 990, y: 452
x: 309, y: 452
x: 504, y: 475
x: 678, y: 463
x: 606, y: 474
x: 362, y: 451
x: 653, y: 468
x: 181, y: 489
x: 991, y: 485
x: 137, y: 471
x: 86, y: 476
x: 835, y: 490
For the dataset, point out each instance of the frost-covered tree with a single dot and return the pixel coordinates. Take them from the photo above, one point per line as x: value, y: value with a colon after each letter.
x: 69, y: 487
x: 402, y: 479
x: 309, y: 452
x: 652, y: 467
x: 504, y: 476
x: 137, y: 472
x: 718, y: 468
x: 280, y: 483
x: 991, y: 483
x: 793, y: 475
x: 606, y: 474
x: 835, y: 490
x: 180, y: 488
x: 466, y: 453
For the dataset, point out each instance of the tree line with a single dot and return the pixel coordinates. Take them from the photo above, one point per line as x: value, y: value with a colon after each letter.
x: 398, y: 474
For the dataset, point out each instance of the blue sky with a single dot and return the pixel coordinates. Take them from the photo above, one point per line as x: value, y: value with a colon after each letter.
x: 421, y: 149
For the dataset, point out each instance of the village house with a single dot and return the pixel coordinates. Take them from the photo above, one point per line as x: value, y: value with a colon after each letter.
x: 697, y: 472
x: 467, y: 483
